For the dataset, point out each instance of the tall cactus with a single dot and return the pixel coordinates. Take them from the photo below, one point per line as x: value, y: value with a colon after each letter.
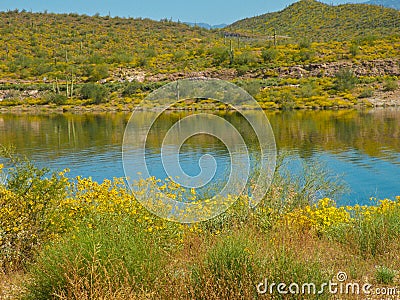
x: 7, y: 51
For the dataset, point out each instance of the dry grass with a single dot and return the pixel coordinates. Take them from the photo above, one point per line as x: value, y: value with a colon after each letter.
x: 304, y: 251
x: 11, y: 285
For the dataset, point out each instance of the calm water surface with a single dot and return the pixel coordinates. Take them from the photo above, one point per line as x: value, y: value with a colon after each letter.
x: 363, y: 147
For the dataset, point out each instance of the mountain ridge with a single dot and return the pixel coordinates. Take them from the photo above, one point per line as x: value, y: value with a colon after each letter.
x: 206, y: 25
x: 310, y: 19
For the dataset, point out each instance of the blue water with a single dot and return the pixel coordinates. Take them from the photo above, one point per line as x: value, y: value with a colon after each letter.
x: 91, y: 147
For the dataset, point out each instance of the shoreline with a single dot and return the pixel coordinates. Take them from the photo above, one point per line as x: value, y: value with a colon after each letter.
x: 37, y: 109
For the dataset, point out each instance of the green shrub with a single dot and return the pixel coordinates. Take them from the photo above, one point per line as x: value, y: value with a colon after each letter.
x: 131, y: 88
x: 242, y: 69
x: 179, y: 55
x: 94, y: 91
x: 95, y: 263
x: 230, y: 258
x: 305, y: 43
x: 390, y: 85
x: 251, y: 86
x: 305, y: 55
x: 96, y: 59
x: 219, y: 55
x: 308, y: 90
x: 55, y: 98
x: 366, y: 93
x: 384, y: 275
x: 374, y: 230
x: 269, y: 54
x: 354, y: 49
x: 98, y: 72
x: 121, y: 57
x: 228, y: 269
x: 286, y: 267
x: 150, y: 52
x: 245, y: 58
x: 345, y: 80
x: 286, y: 99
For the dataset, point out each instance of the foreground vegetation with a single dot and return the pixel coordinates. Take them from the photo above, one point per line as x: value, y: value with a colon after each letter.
x: 67, y: 238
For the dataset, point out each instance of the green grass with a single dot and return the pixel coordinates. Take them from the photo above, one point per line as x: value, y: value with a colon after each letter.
x: 385, y: 275
x: 113, y: 255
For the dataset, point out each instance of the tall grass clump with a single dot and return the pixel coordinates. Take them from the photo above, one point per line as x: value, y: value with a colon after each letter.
x: 285, y: 266
x: 374, y: 229
x: 228, y: 268
x: 385, y: 275
x: 301, y: 183
x: 112, y: 259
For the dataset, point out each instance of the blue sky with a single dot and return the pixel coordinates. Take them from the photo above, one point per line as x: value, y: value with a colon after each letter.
x: 208, y: 11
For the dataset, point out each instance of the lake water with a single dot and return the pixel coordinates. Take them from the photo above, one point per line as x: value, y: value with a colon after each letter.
x: 361, y: 146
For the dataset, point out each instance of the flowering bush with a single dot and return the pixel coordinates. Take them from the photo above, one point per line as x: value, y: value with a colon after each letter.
x: 28, y: 204
x: 319, y: 217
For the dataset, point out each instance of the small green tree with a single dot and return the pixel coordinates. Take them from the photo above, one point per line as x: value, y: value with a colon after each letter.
x: 354, y: 49
x: 390, y: 85
x: 131, y: 88
x: 345, y: 80
x: 98, y: 72
x: 96, y: 92
x: 219, y: 55
x: 269, y: 54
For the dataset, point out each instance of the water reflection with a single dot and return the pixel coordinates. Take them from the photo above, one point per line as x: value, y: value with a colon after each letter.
x: 363, y: 145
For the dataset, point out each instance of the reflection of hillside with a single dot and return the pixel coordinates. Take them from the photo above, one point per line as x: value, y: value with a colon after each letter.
x: 62, y: 133
x: 165, y: 122
x: 375, y: 132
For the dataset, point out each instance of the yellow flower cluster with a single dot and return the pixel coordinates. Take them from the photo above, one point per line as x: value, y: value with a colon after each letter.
x: 90, y: 200
x: 369, y: 212
x: 26, y: 214
x: 326, y: 215
x: 319, y: 217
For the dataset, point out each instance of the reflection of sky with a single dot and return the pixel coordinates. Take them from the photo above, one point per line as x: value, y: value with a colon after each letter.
x: 365, y: 176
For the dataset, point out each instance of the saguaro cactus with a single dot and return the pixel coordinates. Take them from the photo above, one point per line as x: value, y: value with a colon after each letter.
x: 7, y: 51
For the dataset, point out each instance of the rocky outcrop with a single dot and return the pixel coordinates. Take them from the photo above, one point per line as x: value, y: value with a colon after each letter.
x: 365, y: 68
x: 15, y: 94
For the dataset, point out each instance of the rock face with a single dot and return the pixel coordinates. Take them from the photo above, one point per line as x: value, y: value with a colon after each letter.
x: 129, y: 75
x: 365, y: 68
x: 13, y: 94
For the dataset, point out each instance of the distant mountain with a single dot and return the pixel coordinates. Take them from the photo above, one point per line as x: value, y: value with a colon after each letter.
x: 387, y: 3
x: 206, y: 25
x: 316, y: 21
